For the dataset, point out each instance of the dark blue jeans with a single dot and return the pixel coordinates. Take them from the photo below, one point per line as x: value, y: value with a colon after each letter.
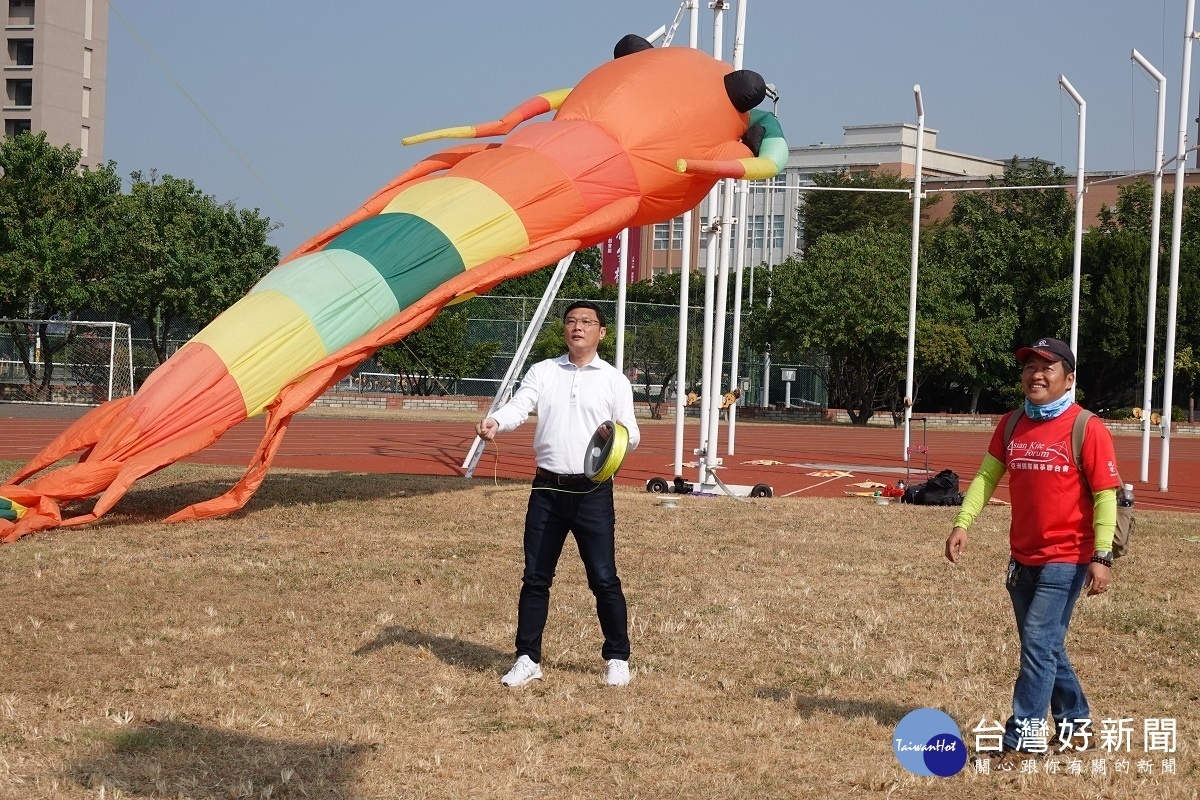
x: 554, y: 512
x: 1043, y: 599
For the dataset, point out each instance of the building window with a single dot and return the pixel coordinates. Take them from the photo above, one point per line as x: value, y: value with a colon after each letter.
x: 761, y: 187
x: 20, y: 92
x: 776, y: 233
x: 20, y: 12
x: 756, y: 233
x: 20, y: 52
x: 87, y: 19
x: 15, y: 127
x: 799, y: 233
x: 669, y: 235
x: 87, y: 102
x: 662, y: 235
x: 85, y: 134
x: 87, y: 63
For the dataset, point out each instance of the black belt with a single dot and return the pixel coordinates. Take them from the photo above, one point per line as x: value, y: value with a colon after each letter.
x: 563, y: 480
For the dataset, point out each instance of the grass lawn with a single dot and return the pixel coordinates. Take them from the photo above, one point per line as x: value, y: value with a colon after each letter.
x: 344, y: 636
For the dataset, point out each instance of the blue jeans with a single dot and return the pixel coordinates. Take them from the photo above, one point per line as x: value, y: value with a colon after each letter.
x: 587, y: 512
x: 1043, y: 599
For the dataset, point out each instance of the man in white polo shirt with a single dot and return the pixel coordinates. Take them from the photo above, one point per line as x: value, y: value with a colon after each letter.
x: 574, y: 395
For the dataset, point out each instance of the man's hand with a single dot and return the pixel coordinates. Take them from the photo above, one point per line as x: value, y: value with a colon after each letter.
x: 1099, y: 578
x: 956, y: 544
x: 487, y: 429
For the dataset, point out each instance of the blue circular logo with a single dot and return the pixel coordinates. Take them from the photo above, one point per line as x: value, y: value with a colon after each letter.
x: 927, y: 742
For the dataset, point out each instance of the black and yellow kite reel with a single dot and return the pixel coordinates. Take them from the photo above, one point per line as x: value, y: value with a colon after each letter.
x: 606, y: 451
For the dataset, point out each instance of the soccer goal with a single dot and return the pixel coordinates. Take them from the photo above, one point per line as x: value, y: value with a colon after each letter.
x: 65, y: 362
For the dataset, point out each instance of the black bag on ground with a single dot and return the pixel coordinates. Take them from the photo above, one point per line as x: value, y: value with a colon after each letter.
x: 940, y: 490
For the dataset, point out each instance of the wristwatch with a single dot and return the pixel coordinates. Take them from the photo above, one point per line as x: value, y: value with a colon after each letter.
x: 1104, y: 557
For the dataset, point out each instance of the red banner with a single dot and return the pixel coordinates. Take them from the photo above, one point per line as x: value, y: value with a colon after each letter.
x: 610, y: 250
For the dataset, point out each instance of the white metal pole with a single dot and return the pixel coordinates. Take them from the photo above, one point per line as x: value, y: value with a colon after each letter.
x: 622, y: 281
x: 1152, y: 294
x: 684, y: 286
x: 736, y: 338
x: 1078, y: 257
x: 739, y: 55
x: 129, y: 344
x: 722, y: 289
x: 1189, y: 35
x: 912, y: 272
x: 112, y: 357
x: 710, y: 276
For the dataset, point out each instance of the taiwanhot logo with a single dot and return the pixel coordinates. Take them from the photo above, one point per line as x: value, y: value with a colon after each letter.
x: 928, y: 742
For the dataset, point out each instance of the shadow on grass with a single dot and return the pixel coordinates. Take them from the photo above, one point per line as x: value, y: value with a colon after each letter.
x: 454, y: 652
x: 179, y: 759
x: 279, y: 490
x: 887, y: 714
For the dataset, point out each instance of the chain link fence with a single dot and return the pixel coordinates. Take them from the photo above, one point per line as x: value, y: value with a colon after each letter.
x: 81, y: 372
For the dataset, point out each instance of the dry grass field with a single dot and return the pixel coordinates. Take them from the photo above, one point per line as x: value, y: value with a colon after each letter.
x: 345, y: 636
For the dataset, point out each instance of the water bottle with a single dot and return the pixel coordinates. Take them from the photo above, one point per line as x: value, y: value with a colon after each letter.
x: 1126, y: 498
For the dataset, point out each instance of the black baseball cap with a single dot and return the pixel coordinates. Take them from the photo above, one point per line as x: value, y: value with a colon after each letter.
x: 1051, y: 350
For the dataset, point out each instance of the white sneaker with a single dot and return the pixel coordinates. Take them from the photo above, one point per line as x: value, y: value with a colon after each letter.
x: 523, y: 671
x: 618, y: 672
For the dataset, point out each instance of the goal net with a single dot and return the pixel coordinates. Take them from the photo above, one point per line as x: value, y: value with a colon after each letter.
x: 64, y: 362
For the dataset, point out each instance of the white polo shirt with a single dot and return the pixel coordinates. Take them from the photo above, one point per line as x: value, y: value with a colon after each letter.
x: 571, y: 404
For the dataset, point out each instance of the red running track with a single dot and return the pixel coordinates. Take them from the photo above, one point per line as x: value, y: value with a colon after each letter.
x: 438, y: 448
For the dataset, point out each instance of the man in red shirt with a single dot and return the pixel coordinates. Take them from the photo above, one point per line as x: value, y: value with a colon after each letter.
x: 1060, y: 538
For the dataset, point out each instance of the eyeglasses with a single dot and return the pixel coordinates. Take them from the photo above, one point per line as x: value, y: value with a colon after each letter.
x: 572, y: 322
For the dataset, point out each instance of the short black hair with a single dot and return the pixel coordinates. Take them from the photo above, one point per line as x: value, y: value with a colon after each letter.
x: 586, y: 304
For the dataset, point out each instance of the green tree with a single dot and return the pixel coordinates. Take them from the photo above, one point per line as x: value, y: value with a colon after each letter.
x: 54, y: 245
x: 436, y: 357
x: 581, y: 281
x: 1011, y: 254
x: 183, y: 257
x: 654, y: 353
x: 848, y: 302
x: 823, y: 213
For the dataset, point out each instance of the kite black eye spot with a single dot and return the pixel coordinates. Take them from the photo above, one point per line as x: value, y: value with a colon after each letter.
x: 745, y: 88
x: 631, y: 43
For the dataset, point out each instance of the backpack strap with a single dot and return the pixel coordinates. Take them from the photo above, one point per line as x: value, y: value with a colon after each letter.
x: 1078, y: 430
x: 1009, y: 426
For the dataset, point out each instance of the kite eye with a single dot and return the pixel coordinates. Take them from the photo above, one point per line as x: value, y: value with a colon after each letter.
x: 632, y: 43
x: 745, y: 88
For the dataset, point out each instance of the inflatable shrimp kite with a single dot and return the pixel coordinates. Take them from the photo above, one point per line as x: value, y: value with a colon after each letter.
x: 640, y: 140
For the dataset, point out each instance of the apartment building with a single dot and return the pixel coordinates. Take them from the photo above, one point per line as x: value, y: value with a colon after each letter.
x: 54, y: 72
x: 774, y: 232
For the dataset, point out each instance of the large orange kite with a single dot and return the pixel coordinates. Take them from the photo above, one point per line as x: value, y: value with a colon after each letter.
x: 640, y: 140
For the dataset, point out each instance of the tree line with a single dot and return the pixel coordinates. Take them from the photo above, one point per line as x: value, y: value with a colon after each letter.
x: 994, y: 275
x: 74, y: 245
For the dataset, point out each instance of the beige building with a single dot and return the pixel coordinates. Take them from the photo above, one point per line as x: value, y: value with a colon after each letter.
x: 774, y: 232
x: 54, y: 72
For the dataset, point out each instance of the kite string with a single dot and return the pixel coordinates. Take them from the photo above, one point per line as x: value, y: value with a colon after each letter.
x: 287, y: 212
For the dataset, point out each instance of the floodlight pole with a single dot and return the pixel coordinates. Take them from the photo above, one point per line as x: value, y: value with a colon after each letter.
x: 707, y: 389
x: 912, y: 274
x: 743, y: 187
x: 1078, y: 258
x: 685, y: 272
x: 1152, y: 296
x: 1189, y: 36
x: 622, y: 281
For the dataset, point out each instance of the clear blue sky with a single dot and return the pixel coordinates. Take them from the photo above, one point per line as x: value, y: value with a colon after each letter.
x: 316, y: 99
